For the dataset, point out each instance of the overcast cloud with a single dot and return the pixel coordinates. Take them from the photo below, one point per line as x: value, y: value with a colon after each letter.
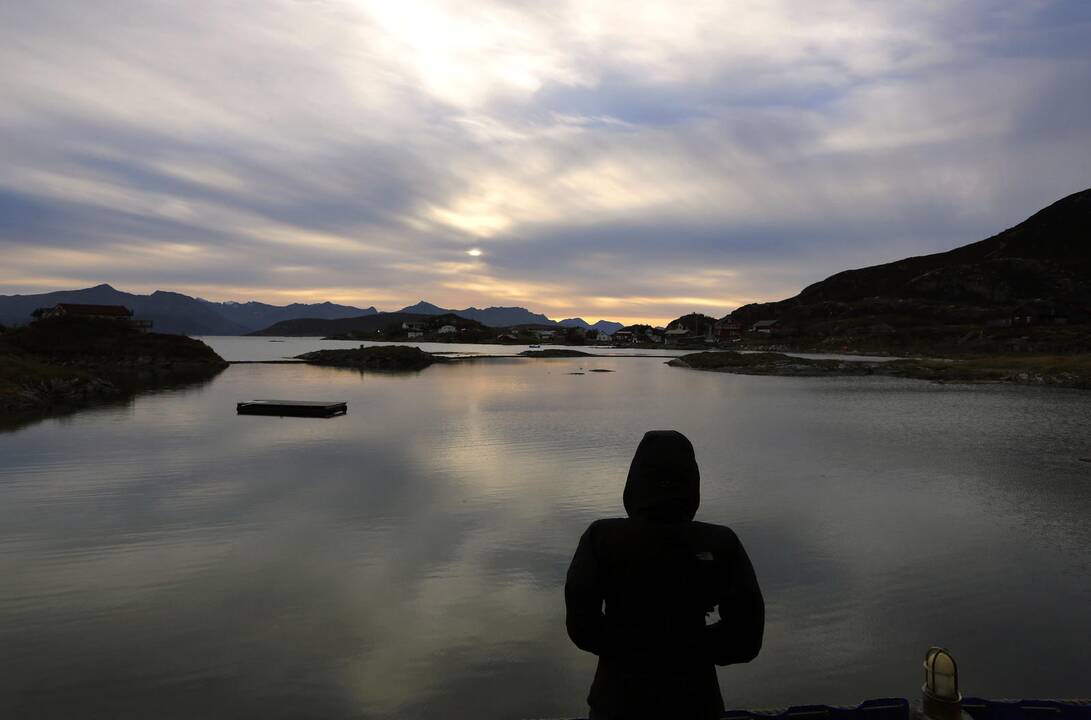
x: 609, y: 159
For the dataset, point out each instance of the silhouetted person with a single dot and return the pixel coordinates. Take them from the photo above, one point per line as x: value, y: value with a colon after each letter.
x: 659, y: 572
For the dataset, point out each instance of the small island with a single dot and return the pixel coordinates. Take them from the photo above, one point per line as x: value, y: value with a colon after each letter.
x: 408, y: 357
x: 555, y: 353
x: 1073, y: 371
x: 388, y: 358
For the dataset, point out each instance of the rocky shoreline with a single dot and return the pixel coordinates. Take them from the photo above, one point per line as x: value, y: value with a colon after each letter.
x: 1072, y: 371
x: 43, y: 393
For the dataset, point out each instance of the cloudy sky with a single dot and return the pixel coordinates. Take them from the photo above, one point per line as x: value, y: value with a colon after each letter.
x: 603, y: 159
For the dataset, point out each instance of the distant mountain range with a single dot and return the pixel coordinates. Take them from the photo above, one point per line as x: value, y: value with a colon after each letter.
x: 172, y: 312
x: 489, y: 317
x: 604, y: 326
x: 317, y: 327
x: 1036, y: 273
x: 256, y: 315
x: 509, y: 317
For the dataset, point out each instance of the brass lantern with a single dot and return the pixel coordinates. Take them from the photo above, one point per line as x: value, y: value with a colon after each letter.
x: 940, y: 690
x: 941, y: 675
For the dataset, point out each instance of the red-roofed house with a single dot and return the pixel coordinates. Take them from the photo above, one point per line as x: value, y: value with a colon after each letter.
x: 94, y: 312
x: 104, y: 312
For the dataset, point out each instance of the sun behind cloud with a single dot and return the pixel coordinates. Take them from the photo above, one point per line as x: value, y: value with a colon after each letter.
x: 474, y: 252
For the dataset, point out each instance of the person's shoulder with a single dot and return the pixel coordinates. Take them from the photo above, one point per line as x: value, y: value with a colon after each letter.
x: 607, y: 524
x: 606, y: 527
x: 717, y: 533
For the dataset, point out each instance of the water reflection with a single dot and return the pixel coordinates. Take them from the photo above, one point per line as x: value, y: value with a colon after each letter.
x: 169, y: 558
x: 129, y: 386
x: 250, y: 349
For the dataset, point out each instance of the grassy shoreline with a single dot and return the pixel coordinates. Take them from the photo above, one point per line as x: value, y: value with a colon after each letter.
x: 1071, y: 371
x: 61, y: 363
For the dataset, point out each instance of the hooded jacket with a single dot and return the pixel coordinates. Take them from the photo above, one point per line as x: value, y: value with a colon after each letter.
x: 639, y: 588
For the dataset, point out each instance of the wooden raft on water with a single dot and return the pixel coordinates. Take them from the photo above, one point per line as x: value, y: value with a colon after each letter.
x: 293, y: 408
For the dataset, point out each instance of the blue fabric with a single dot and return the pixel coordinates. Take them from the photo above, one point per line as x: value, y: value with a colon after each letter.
x: 981, y: 709
x: 878, y: 709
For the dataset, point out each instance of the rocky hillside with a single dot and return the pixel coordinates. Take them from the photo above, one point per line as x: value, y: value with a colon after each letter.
x: 696, y: 323
x: 1035, y: 274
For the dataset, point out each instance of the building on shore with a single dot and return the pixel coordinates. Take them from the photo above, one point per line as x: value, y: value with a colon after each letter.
x: 763, y: 326
x: 623, y: 336
x: 119, y: 313
x: 727, y: 328
x: 97, y: 312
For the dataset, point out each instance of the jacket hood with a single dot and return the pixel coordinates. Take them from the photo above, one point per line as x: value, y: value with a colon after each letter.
x: 664, y: 484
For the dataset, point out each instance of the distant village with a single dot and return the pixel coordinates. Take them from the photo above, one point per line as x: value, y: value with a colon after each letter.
x: 693, y: 330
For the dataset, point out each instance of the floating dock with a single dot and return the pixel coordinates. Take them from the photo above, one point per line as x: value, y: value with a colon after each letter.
x: 293, y: 408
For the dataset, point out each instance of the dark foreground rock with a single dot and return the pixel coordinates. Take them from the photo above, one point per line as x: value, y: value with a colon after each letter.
x: 1073, y: 371
x: 386, y: 358
x: 66, y: 362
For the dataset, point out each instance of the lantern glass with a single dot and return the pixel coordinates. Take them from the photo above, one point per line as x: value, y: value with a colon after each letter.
x: 941, y: 675
x: 945, y: 686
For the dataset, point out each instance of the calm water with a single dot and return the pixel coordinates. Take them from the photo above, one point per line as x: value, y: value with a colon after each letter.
x: 166, y: 558
x: 235, y: 348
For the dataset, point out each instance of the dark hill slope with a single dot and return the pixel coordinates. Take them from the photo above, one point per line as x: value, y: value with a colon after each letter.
x: 697, y: 323
x: 1044, y: 260
x: 256, y: 315
x: 311, y: 327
